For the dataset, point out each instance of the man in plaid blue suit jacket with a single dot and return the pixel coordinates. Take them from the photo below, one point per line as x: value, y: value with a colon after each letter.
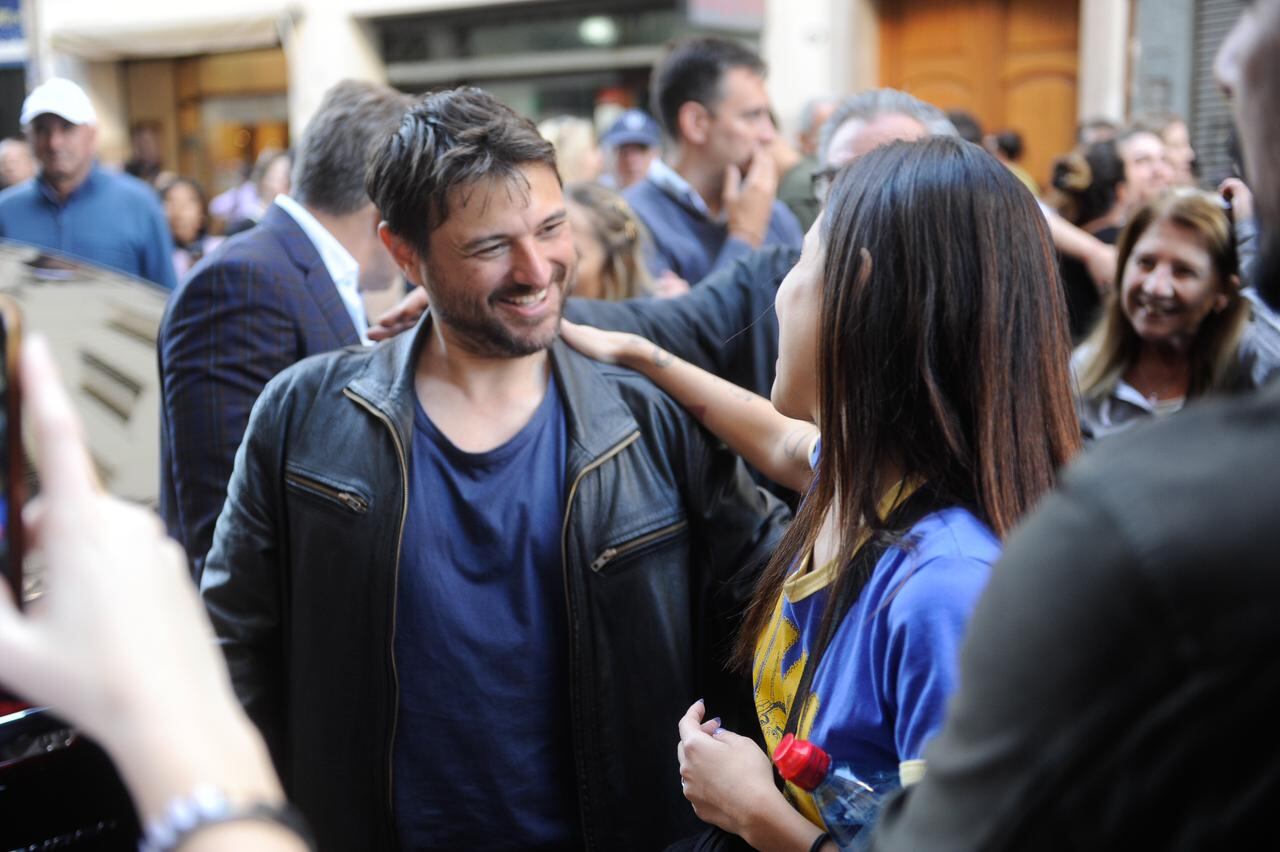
x: 267, y: 298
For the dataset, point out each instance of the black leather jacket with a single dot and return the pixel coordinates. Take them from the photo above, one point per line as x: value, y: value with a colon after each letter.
x: 663, y: 536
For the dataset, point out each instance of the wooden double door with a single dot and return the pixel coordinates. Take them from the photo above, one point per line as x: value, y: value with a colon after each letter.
x: 1012, y: 63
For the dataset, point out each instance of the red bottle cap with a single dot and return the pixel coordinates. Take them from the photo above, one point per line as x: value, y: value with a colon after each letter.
x: 801, y: 762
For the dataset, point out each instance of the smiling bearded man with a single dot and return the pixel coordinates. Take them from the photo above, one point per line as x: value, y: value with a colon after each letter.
x: 459, y: 576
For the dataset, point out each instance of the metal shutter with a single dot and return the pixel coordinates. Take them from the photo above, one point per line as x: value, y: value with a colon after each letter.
x: 1210, y: 111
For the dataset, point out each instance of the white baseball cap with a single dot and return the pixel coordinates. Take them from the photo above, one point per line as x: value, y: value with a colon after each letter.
x: 60, y: 97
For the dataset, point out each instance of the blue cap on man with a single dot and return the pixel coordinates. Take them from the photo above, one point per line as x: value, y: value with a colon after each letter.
x: 633, y: 127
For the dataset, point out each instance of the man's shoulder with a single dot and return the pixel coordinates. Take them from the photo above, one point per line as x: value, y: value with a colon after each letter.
x: 127, y: 186
x: 647, y: 195
x: 623, y: 381
x: 253, y: 258
x: 21, y: 196
x: 591, y: 383
x: 320, y: 374
x: 1198, y: 485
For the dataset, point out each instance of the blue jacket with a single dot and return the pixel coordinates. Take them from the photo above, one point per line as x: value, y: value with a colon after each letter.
x: 693, y: 246
x: 111, y: 219
x: 260, y: 303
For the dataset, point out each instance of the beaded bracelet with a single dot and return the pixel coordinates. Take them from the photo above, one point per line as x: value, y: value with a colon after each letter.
x: 208, y: 806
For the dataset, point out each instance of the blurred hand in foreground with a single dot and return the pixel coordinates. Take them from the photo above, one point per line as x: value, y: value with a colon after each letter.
x: 119, y: 644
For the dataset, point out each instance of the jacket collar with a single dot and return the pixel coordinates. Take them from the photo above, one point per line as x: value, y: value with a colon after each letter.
x: 597, y: 418
x: 316, y: 280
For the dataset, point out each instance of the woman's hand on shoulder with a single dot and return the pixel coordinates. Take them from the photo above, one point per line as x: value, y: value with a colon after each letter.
x: 611, y: 347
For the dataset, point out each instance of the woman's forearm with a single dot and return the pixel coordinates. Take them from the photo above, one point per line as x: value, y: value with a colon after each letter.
x: 748, y: 423
x: 781, y: 828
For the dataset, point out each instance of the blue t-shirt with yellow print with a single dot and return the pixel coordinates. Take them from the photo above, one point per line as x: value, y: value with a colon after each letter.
x: 880, y: 690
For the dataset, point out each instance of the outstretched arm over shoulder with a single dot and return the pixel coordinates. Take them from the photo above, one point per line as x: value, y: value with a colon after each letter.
x: 776, y: 445
x: 725, y: 324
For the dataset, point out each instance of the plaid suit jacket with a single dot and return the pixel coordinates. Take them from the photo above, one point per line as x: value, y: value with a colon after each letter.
x: 259, y: 303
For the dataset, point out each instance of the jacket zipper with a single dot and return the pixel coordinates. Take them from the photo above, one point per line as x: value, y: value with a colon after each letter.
x: 611, y: 553
x: 395, y: 597
x: 568, y: 606
x: 354, y: 502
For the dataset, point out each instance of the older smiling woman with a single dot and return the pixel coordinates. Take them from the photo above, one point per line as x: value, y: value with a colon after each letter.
x: 1178, y: 327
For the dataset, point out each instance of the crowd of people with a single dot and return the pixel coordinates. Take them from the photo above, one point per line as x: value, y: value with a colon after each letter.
x: 705, y: 435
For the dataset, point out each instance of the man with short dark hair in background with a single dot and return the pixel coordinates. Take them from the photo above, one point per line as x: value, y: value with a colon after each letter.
x: 715, y: 197
x: 268, y: 298
x: 1119, y: 683
x: 460, y: 577
x: 75, y: 207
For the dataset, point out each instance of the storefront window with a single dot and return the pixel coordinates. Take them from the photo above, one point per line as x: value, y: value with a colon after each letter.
x: 554, y: 27
x: 589, y: 59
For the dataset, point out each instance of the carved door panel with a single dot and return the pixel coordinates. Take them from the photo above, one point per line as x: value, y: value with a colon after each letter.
x: 1012, y: 63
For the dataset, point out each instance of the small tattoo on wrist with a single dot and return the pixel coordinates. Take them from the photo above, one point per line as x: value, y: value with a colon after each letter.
x: 662, y: 358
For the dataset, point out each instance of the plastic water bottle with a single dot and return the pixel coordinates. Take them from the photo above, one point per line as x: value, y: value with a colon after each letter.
x: 847, y: 804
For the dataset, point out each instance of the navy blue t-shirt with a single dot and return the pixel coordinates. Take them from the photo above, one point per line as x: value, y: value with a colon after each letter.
x: 483, y: 757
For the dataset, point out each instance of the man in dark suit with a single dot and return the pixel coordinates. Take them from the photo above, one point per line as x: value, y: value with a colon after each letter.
x: 266, y: 299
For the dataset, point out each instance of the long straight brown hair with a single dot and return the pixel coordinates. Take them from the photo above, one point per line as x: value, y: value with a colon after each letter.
x: 943, y: 349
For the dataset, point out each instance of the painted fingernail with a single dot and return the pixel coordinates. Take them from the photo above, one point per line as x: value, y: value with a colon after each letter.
x: 717, y: 721
x: 717, y: 732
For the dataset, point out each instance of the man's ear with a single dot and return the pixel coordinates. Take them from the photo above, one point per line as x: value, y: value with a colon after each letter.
x: 404, y: 254
x: 694, y: 122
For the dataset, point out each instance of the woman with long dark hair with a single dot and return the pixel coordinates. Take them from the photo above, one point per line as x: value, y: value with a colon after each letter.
x: 923, y: 333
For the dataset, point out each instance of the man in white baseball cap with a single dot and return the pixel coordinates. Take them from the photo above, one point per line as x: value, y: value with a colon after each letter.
x: 76, y: 208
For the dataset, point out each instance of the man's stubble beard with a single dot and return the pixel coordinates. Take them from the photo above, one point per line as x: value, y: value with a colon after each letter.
x: 483, y: 334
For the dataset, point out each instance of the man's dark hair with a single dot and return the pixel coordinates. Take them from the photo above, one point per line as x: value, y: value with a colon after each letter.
x: 328, y: 172
x: 692, y: 70
x: 449, y: 139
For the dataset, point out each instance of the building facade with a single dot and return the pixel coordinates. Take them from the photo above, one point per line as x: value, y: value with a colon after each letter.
x: 223, y: 81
